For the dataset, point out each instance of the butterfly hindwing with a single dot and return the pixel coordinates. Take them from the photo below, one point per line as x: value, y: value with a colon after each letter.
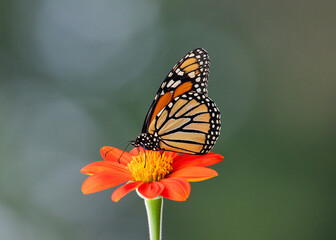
x: 189, y: 74
x: 190, y: 123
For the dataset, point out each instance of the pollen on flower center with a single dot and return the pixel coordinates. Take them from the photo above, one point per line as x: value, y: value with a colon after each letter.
x: 151, y: 166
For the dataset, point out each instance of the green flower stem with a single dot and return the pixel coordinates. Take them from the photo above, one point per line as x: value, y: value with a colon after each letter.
x: 154, y: 214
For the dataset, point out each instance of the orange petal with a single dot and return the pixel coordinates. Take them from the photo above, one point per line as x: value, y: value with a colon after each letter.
x: 124, y: 189
x: 135, y: 151
x: 103, y: 180
x: 169, y: 153
x: 177, y: 189
x: 103, y: 166
x: 115, y: 155
x: 188, y: 160
x: 151, y: 189
x: 194, y: 174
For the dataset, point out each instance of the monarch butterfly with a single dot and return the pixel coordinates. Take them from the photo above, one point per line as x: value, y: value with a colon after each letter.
x: 182, y: 118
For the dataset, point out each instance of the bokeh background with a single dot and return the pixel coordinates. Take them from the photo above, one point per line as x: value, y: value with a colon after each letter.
x: 76, y: 75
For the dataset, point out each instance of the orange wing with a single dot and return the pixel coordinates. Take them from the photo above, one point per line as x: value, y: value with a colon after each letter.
x: 190, y: 124
x: 189, y: 74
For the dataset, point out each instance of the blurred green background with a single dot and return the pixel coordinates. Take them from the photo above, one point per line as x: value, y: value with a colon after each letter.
x: 77, y: 75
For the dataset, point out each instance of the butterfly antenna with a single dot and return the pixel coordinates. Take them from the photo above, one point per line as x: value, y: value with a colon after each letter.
x: 128, y: 143
x: 163, y: 150
x: 109, y: 151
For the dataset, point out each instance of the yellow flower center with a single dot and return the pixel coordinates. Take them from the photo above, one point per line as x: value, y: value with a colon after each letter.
x: 151, y: 166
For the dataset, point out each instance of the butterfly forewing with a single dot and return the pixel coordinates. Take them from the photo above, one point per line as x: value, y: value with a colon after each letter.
x: 190, y: 123
x: 189, y: 74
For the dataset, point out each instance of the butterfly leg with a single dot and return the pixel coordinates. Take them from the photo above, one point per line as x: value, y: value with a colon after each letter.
x: 163, y: 150
x: 144, y: 147
x: 112, y: 150
x: 123, y: 152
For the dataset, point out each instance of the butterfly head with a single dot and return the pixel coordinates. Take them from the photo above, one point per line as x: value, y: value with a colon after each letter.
x: 145, y: 140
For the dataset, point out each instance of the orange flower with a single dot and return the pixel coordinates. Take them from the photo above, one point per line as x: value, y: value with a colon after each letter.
x: 153, y: 173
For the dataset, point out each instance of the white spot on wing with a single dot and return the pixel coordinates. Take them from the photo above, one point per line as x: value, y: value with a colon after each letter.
x: 170, y: 83
x: 192, y: 74
x: 160, y: 112
x: 176, y: 84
